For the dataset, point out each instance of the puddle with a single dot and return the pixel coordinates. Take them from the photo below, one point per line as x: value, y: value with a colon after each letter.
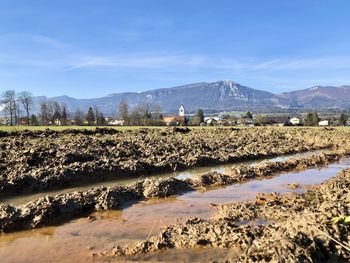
x: 188, y: 255
x: 75, y: 241
x: 223, y: 168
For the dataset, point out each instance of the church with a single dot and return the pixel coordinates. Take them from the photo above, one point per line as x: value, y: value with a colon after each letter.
x: 176, y: 120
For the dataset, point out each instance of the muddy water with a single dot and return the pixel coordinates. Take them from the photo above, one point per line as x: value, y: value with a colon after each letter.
x: 77, y: 240
x: 223, y: 168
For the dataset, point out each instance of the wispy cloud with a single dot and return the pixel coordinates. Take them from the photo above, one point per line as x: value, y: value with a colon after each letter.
x: 39, y: 53
x: 30, y: 39
x: 93, y: 62
x: 44, y: 51
x: 139, y: 61
x: 308, y: 63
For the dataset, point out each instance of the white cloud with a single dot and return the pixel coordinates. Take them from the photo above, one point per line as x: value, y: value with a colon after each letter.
x: 35, y: 39
x: 38, y: 53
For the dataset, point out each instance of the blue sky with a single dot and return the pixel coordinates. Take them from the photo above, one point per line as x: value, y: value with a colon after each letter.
x: 91, y: 48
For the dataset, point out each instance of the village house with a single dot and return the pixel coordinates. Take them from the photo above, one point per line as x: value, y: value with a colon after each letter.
x: 245, y: 122
x: 211, y: 121
x: 295, y: 121
x: 176, y: 120
x: 277, y: 120
x: 323, y: 123
x: 109, y: 118
x: 23, y: 121
x: 4, y: 120
x: 57, y: 122
x: 116, y: 122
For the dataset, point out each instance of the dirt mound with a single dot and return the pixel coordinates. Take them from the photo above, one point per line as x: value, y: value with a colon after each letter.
x: 311, y: 227
x: 41, y: 160
x: 48, y: 210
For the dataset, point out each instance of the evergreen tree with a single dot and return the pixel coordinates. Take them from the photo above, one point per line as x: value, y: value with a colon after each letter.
x: 248, y: 115
x: 34, y: 120
x: 90, y: 117
x: 64, y: 116
x: 343, y: 119
x: 200, y: 114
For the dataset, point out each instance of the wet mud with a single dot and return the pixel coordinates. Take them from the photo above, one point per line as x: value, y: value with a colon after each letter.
x: 308, y: 227
x: 293, y: 227
x: 50, y: 210
x: 38, y: 161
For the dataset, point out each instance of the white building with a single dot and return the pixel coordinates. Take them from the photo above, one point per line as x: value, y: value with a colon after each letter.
x: 182, y: 111
x: 5, y: 120
x: 323, y: 123
x: 117, y: 122
x: 294, y: 121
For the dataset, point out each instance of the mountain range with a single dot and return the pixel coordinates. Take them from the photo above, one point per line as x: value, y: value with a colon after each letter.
x: 214, y: 97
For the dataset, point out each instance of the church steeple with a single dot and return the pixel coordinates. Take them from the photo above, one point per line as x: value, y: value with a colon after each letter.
x: 182, y: 110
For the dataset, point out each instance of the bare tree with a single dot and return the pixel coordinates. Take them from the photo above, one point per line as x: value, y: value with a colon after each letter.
x: 44, y: 113
x: 260, y: 119
x: 26, y: 99
x: 17, y: 113
x: 9, y: 101
x: 78, y: 117
x: 123, y: 111
x: 135, y: 117
x: 97, y: 116
x: 56, y: 110
x: 157, y: 112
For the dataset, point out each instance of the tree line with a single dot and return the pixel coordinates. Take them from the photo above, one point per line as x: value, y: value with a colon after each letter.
x: 143, y: 114
x: 14, y: 104
x: 18, y: 110
x: 18, y: 106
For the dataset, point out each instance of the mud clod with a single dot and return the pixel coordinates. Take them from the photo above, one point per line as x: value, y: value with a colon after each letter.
x: 301, y: 231
x: 41, y: 160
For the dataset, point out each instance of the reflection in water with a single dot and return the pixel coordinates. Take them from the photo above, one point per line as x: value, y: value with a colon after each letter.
x: 188, y: 255
x: 223, y: 168
x: 76, y: 240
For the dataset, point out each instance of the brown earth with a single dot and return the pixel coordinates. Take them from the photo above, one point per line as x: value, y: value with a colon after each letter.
x: 42, y: 160
x: 309, y: 227
x: 51, y: 210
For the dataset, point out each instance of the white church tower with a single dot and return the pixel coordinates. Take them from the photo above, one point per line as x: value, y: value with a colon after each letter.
x: 182, y: 110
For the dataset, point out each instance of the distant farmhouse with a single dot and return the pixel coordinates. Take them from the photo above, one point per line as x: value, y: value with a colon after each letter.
x: 4, y: 120
x: 323, y: 123
x: 295, y: 121
x: 277, y: 120
x: 116, y: 122
x: 176, y: 120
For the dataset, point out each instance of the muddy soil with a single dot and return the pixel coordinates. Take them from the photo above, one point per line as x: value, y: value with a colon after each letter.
x: 309, y: 227
x: 52, y: 210
x: 37, y: 161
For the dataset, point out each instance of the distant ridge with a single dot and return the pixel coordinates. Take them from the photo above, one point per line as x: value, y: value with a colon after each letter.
x: 320, y: 97
x: 216, y: 96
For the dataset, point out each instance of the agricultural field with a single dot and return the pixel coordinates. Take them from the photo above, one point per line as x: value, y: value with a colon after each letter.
x: 223, y: 194
x: 61, y: 128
